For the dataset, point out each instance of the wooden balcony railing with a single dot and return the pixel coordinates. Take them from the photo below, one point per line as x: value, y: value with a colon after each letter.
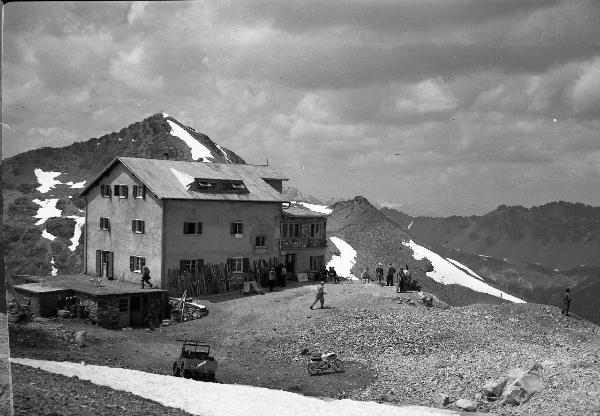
x: 303, y: 242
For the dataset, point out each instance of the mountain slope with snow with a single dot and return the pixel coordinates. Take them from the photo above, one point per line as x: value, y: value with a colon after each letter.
x: 43, y: 215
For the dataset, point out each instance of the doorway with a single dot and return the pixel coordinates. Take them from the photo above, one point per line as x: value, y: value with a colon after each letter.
x: 124, y: 320
x: 290, y: 263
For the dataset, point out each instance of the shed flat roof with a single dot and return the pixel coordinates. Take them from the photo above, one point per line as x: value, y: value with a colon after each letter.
x: 301, y: 211
x: 81, y: 283
x: 166, y: 178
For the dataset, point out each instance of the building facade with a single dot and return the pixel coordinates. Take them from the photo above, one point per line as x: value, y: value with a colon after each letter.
x: 179, y: 215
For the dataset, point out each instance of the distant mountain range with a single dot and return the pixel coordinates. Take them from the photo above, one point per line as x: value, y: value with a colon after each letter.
x: 558, y: 235
x: 36, y: 246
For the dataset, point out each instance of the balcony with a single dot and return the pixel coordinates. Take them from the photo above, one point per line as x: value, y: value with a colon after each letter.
x: 302, y: 242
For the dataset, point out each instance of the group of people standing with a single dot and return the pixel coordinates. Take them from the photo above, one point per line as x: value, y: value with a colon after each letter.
x: 403, y: 280
x: 277, y: 276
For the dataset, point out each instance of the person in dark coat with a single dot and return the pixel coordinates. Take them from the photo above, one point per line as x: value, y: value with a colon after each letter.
x: 379, y: 273
x: 146, y: 276
x: 278, y: 273
x: 332, y: 275
x: 272, y: 278
x: 566, y: 302
x: 390, y: 275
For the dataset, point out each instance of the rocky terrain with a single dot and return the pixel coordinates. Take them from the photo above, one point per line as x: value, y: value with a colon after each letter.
x: 5, y: 381
x: 396, y: 349
x: 29, y: 250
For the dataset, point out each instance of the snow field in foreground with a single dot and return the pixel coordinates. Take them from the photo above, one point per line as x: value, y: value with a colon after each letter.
x: 213, y: 399
x: 447, y: 273
x: 198, y: 150
x: 345, y: 261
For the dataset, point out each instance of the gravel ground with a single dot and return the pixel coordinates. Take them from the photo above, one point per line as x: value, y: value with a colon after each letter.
x: 394, y: 351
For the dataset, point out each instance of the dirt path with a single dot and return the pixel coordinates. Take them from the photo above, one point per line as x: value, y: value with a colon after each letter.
x: 395, y: 351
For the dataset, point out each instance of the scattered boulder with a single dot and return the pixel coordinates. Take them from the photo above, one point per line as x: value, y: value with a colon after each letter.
x: 80, y: 338
x: 493, y: 389
x: 516, y: 388
x: 441, y: 399
x: 466, y: 404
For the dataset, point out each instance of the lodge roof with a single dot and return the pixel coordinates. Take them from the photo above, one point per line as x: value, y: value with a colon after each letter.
x: 167, y: 179
x: 301, y: 211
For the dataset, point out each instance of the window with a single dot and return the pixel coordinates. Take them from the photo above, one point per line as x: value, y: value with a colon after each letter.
x: 239, y: 264
x: 137, y: 226
x: 316, y: 230
x: 192, y: 228
x: 104, y: 223
x: 139, y: 191
x: 104, y: 263
x: 121, y: 191
x: 237, y: 228
x: 261, y: 241
x: 205, y: 186
x: 233, y: 187
x: 290, y: 230
x: 316, y: 262
x: 105, y: 191
x: 190, y: 266
x: 136, y: 263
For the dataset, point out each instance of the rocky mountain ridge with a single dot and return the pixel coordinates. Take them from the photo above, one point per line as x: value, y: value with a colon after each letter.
x: 53, y: 245
x: 559, y: 235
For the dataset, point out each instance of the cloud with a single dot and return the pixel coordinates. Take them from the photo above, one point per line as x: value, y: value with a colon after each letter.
x: 586, y: 92
x: 136, y: 11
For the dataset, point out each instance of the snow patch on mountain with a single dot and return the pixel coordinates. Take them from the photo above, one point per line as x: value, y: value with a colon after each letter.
x: 447, y: 273
x: 345, y: 261
x: 46, y: 234
x: 410, y: 225
x: 462, y: 266
x: 197, y: 148
x: 321, y: 209
x: 206, y: 399
x: 78, y: 185
x: 54, y: 271
x: 46, y: 180
x: 46, y: 210
x: 224, y: 153
x: 79, y: 223
x: 184, y: 179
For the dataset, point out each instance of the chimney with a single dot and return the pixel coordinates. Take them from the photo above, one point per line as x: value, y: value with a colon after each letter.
x: 166, y: 155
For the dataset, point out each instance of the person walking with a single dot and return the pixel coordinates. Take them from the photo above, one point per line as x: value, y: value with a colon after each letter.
x: 566, y: 302
x: 146, y: 277
x: 390, y: 275
x: 320, y: 295
x: 364, y: 276
x: 283, y: 275
x: 379, y: 273
x: 272, y: 278
x: 404, y: 279
x: 278, y: 273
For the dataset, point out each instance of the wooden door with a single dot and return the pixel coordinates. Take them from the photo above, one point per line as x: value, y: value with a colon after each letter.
x: 135, y: 307
x: 124, y: 318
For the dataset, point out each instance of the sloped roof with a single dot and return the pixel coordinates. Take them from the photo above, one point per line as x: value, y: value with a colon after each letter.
x: 301, y: 211
x: 163, y: 178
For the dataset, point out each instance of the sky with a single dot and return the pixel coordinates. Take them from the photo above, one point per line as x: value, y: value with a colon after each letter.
x: 431, y: 107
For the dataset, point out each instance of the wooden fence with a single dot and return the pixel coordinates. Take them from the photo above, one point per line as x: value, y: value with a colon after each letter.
x: 212, y: 279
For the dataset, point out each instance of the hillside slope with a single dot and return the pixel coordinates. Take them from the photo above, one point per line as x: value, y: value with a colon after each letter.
x: 43, y: 217
x: 558, y: 235
x: 377, y: 239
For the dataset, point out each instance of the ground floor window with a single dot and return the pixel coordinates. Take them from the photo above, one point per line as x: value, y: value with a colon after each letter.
x: 136, y: 263
x: 261, y: 241
x: 316, y: 263
x: 190, y: 266
x: 239, y: 264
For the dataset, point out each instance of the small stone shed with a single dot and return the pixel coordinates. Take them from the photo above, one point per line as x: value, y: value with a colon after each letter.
x: 111, y: 305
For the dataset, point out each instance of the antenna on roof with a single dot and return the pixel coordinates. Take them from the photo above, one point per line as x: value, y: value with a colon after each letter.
x: 267, y: 161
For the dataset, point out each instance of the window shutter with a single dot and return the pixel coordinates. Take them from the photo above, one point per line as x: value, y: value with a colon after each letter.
x: 125, y: 190
x: 232, y: 228
x: 131, y: 263
x: 107, y: 223
x: 117, y: 193
x: 108, y: 190
x: 143, y: 191
x: 101, y: 223
x: 181, y: 266
x: 143, y: 226
x: 241, y: 228
x: 143, y: 261
x: 246, y: 264
x: 135, y: 187
x: 98, y: 262
x: 109, y: 266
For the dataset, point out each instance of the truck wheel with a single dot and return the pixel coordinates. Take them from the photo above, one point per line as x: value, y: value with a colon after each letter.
x: 176, y: 372
x: 338, y: 366
x: 313, y: 369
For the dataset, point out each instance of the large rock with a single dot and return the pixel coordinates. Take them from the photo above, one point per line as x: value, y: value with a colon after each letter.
x: 80, y: 337
x: 493, y: 389
x: 441, y: 399
x: 466, y: 404
x: 519, y: 389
